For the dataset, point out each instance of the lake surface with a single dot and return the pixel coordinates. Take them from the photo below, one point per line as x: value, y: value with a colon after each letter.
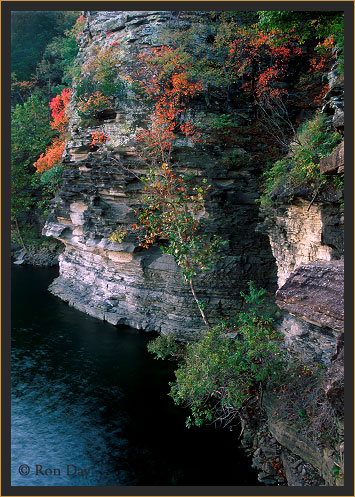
x: 90, y: 404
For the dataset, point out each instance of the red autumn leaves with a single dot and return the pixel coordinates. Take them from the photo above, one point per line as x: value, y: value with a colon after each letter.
x: 264, y: 59
x: 98, y: 138
x: 162, y: 75
x: 53, y: 155
x: 58, y: 105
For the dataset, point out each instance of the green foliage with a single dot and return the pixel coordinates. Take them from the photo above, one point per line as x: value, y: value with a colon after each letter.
x: 47, y: 184
x: 302, y: 414
x: 314, y: 141
x: 100, y: 83
x: 30, y: 130
x: 336, y: 471
x: 31, y: 32
x: 221, y: 121
x: 41, y: 41
x: 118, y: 235
x: 205, y: 48
x: 223, y: 369
x: 308, y: 26
x: 58, y: 62
x: 274, y: 176
x: 30, y: 135
x: 94, y: 97
x: 109, y: 88
x: 238, y: 159
x: 255, y: 296
x: 51, y: 179
x: 338, y: 181
x: 165, y: 346
x: 170, y: 214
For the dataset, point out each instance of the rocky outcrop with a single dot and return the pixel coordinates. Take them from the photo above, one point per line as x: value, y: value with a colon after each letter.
x: 314, y: 297
x: 121, y: 282
x: 334, y: 163
x: 315, y: 291
x: 307, y: 239
x: 290, y: 436
x: 301, y: 233
x: 334, y: 100
x: 42, y: 254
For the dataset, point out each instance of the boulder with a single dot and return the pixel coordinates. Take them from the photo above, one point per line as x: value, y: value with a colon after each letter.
x: 315, y: 292
x: 334, y: 163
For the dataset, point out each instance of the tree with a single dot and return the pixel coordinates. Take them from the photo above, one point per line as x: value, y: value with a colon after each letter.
x: 31, y: 31
x: 171, y: 205
x: 170, y: 216
x: 30, y: 134
x: 221, y: 375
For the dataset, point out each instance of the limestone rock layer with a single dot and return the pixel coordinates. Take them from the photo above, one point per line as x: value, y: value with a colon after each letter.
x: 120, y: 282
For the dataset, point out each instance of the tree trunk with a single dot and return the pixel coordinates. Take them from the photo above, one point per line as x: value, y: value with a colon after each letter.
x: 19, y: 234
x: 205, y: 320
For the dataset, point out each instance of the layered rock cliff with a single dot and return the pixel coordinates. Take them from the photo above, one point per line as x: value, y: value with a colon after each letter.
x: 120, y: 282
x: 298, y: 248
x: 306, y: 233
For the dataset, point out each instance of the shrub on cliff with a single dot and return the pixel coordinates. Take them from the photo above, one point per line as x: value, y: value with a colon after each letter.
x: 101, y: 82
x: 53, y: 154
x: 301, y: 168
x: 222, y: 373
x: 92, y: 96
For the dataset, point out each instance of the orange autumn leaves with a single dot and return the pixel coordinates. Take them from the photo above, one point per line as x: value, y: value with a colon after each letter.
x: 52, y: 157
x: 53, y: 154
x: 98, y: 138
x: 264, y: 58
x: 320, y: 61
x: 94, y: 103
x: 58, y: 105
x: 162, y: 75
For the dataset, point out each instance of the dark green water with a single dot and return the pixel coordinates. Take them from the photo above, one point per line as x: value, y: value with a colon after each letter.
x: 89, y: 395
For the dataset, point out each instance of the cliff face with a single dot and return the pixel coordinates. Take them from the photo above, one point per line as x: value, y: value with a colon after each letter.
x: 306, y: 235
x: 307, y: 242
x: 120, y: 282
x: 301, y: 240
x: 300, y: 233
